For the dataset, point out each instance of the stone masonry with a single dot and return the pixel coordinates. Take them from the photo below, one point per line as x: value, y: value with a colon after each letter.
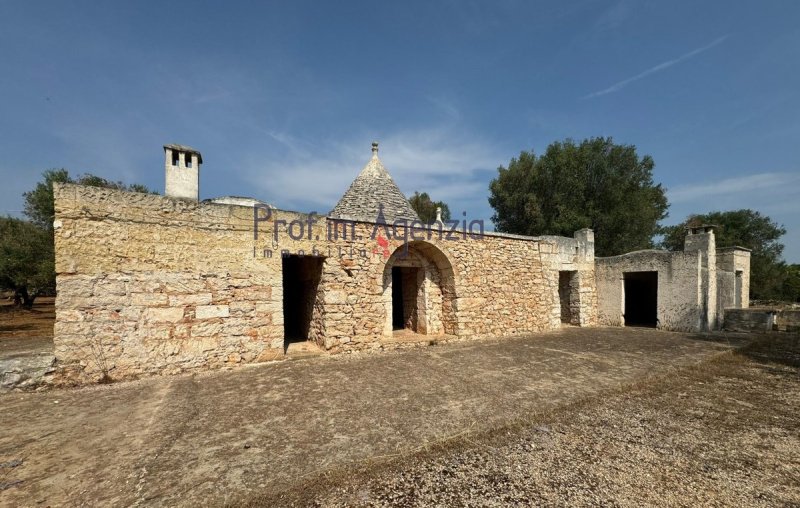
x: 695, y: 285
x: 150, y: 284
x: 158, y: 285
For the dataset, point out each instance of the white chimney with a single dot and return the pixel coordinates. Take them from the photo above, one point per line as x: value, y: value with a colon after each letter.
x: 182, y: 165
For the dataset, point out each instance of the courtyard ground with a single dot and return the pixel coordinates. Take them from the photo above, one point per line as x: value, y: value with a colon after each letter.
x: 597, y: 416
x: 26, y: 342
x: 26, y: 331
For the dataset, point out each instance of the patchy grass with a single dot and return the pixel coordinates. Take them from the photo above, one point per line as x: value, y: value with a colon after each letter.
x: 724, y: 432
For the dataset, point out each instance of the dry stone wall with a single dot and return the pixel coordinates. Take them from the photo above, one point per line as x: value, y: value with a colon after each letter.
x: 679, y: 304
x: 153, y: 285
x: 733, y: 280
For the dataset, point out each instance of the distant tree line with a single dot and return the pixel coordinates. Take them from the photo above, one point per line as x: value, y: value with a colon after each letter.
x: 770, y: 277
x: 595, y: 183
x: 608, y: 187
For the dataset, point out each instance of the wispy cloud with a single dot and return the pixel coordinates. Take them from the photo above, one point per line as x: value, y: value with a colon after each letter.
x: 773, y: 194
x: 439, y: 160
x: 446, y: 105
x: 742, y: 185
x: 615, y: 16
x: 657, y: 68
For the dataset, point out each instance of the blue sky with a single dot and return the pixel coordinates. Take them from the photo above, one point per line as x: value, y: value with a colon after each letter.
x: 284, y: 98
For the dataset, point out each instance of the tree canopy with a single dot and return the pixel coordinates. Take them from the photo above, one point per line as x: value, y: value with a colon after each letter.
x: 426, y: 207
x: 791, y: 283
x: 595, y: 184
x: 749, y: 229
x: 26, y: 259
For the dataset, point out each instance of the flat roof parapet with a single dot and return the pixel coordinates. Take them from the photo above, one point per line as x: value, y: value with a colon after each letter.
x: 735, y: 247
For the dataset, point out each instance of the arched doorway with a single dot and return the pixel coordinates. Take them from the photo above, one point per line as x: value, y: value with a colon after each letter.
x: 419, y: 291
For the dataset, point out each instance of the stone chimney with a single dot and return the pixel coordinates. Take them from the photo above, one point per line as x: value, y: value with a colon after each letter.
x: 585, y: 238
x: 701, y: 239
x: 182, y: 165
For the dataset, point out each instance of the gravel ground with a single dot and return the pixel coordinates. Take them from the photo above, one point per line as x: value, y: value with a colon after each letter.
x: 724, y: 433
x: 229, y: 436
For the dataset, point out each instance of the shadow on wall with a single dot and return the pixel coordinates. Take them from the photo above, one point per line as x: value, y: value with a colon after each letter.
x: 301, y: 276
x: 419, y: 290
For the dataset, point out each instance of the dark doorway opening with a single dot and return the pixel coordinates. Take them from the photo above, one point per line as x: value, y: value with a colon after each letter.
x: 641, y: 299
x: 404, y: 298
x: 301, y: 276
x: 737, y: 290
x: 568, y: 297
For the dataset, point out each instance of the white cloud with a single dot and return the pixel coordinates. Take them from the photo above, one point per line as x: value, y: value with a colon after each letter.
x: 773, y: 194
x: 657, y: 68
x: 445, y: 105
x: 741, y: 185
x: 438, y: 160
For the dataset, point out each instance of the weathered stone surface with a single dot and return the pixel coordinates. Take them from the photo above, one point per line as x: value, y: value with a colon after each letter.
x: 212, y: 311
x: 373, y: 192
x: 165, y: 314
x: 190, y: 299
x: 693, y: 290
x: 25, y: 371
x: 153, y: 285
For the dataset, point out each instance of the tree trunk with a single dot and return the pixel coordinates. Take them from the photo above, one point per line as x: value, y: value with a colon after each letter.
x: 23, y: 299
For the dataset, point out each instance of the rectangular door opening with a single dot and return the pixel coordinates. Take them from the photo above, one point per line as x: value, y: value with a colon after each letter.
x: 405, y: 287
x: 737, y: 290
x: 301, y: 276
x: 641, y: 299
x: 568, y: 297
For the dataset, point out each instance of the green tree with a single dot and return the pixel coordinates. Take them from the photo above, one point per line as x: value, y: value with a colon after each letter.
x: 39, y: 205
x: 26, y: 259
x: 426, y: 207
x: 791, y: 283
x: 744, y: 228
x: 595, y: 184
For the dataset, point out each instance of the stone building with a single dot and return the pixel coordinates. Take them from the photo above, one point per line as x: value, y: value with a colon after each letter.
x: 152, y: 284
x: 681, y: 291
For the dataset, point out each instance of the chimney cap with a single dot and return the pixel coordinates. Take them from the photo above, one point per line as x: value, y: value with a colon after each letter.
x: 185, y: 149
x: 702, y: 228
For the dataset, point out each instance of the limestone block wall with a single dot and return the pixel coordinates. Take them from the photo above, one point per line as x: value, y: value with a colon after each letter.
x: 750, y: 320
x: 153, y: 285
x: 726, y: 293
x: 733, y: 269
x: 762, y: 320
x: 576, y: 255
x: 679, y: 303
x: 147, y: 284
x: 733, y: 280
x: 788, y: 320
x: 702, y: 240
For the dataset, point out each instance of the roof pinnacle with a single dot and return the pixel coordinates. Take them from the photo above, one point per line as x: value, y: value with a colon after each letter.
x: 374, y: 148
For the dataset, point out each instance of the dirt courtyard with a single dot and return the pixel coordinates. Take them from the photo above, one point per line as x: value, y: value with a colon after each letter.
x: 260, y: 433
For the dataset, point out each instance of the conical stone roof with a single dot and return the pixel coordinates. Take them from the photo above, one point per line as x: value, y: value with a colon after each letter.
x: 371, y: 193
